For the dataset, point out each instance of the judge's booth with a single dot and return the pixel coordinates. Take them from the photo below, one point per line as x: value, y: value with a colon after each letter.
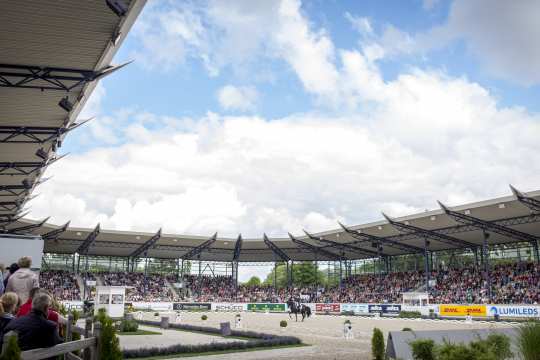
x: 112, y: 299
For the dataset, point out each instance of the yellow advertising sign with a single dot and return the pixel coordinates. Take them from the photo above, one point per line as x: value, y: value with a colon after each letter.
x: 462, y: 310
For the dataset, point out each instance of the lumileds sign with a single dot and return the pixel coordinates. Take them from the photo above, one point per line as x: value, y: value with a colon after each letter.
x: 192, y: 306
x: 385, y: 309
x: 266, y: 307
x: 229, y: 307
x: 355, y: 308
x: 522, y: 311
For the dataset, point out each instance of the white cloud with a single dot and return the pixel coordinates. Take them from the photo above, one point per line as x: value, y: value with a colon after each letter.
x: 402, y: 145
x: 428, y: 137
x: 360, y: 23
x: 502, y: 35
x: 238, y: 97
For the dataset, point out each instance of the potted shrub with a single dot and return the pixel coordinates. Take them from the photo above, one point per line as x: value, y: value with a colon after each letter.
x: 204, y: 317
x: 377, y: 345
x: 283, y: 324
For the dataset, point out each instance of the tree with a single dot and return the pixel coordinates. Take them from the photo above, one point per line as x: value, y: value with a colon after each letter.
x: 377, y: 344
x: 304, y: 274
x: 254, y: 281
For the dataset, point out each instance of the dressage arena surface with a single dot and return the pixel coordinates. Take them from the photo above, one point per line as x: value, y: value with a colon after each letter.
x: 323, y: 332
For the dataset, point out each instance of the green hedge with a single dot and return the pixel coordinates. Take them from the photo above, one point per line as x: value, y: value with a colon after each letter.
x: 410, y: 314
x: 257, y: 340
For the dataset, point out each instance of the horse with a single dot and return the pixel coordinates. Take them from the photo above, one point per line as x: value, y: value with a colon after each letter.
x: 304, y: 310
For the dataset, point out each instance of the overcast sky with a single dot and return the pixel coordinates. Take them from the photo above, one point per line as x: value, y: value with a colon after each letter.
x: 274, y: 116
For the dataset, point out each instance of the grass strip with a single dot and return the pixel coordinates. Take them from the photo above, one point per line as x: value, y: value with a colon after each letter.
x: 207, y: 353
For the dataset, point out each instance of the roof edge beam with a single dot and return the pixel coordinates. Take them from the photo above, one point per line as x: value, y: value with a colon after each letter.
x: 85, y: 246
x: 275, y: 249
x: 342, y: 245
x: 528, y: 201
x: 363, y: 237
x: 237, y: 248
x: 148, y: 244
x: 489, y: 225
x: 200, y: 248
x: 407, y: 228
x: 316, y: 249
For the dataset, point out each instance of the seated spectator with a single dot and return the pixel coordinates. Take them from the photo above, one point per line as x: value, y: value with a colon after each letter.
x: 9, y: 302
x: 34, y: 330
x: 23, y: 280
x: 52, y: 315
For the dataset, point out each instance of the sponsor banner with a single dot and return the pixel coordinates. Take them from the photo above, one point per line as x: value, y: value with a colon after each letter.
x: 272, y: 307
x: 514, y: 311
x: 328, y: 308
x: 229, y: 307
x: 462, y: 310
x: 355, y: 308
x: 192, y: 306
x: 385, y: 309
x: 73, y: 305
x: 156, y: 306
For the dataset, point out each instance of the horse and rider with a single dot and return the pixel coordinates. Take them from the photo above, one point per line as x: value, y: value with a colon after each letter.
x: 296, y: 307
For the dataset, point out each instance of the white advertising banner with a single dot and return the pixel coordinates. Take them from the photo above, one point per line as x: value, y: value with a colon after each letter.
x: 156, y: 306
x: 514, y: 311
x: 236, y: 307
x: 357, y: 309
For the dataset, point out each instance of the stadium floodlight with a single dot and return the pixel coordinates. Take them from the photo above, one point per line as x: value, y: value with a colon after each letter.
x: 66, y: 104
x: 40, y: 153
x: 117, y: 6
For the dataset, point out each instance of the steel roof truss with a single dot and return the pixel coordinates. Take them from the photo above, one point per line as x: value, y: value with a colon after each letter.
x: 276, y: 250
x: 316, y: 249
x: 450, y: 240
x: 489, y: 225
x: 199, y: 249
x: 85, y: 246
x: 150, y: 243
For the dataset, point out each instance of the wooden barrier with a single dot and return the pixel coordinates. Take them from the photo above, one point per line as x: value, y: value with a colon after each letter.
x: 89, y: 345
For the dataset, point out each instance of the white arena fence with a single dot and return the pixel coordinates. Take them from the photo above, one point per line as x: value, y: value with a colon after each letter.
x: 441, y: 310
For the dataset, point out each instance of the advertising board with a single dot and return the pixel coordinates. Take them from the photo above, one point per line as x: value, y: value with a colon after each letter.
x: 357, y: 309
x: 237, y: 307
x: 332, y: 308
x: 462, y: 310
x: 385, y: 309
x: 192, y: 306
x: 267, y: 307
x: 514, y: 311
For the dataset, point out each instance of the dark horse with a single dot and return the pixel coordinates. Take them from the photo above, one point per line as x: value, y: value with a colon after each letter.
x: 295, y: 309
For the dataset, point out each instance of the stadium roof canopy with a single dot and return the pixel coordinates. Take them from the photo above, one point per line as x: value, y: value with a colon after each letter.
x: 52, y: 53
x: 508, y: 219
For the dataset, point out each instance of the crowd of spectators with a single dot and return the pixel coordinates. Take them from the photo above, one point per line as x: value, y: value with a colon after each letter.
x: 510, y: 284
x: 516, y: 283
x: 61, y: 284
x: 152, y: 289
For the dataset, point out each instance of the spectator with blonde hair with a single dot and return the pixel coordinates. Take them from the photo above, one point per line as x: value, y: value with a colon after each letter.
x: 23, y: 280
x: 34, y: 330
x: 9, y: 302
